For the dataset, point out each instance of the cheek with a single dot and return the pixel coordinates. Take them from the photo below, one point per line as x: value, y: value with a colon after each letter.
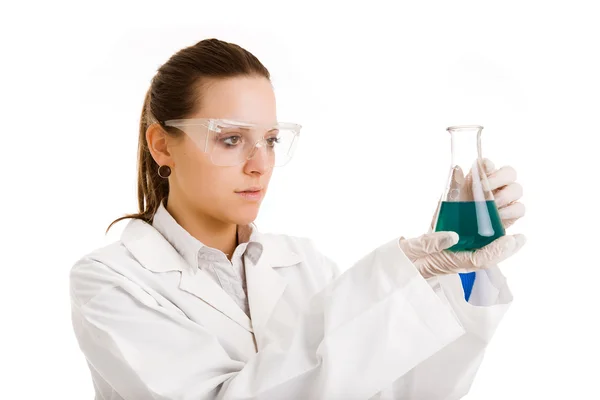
x: 199, y: 178
x: 195, y: 172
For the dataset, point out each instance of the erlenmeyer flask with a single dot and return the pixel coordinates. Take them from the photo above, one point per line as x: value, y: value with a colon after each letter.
x: 467, y: 204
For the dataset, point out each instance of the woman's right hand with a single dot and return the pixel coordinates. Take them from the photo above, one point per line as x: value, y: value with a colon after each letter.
x: 429, y: 253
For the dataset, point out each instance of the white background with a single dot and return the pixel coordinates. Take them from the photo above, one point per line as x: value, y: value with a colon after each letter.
x: 374, y: 85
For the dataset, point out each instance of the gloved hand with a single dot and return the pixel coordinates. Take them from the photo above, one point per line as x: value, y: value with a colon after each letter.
x: 428, y: 252
x: 506, y: 192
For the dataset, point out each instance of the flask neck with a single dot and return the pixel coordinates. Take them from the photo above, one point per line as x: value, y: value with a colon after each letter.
x: 465, y: 145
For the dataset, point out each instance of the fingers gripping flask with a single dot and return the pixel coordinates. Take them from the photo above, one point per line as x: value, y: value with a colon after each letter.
x: 467, y: 205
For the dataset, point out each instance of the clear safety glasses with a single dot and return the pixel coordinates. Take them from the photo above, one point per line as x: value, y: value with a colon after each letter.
x: 230, y: 143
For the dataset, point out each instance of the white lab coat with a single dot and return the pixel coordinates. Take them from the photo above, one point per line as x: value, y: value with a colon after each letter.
x: 152, y: 327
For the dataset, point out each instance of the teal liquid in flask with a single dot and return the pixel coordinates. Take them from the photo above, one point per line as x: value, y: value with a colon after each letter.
x: 467, y: 206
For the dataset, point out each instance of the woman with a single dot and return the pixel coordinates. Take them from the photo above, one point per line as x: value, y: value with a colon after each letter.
x: 193, y: 302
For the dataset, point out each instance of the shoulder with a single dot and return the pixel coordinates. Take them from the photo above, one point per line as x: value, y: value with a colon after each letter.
x: 300, y: 245
x: 292, y: 241
x: 94, y: 272
x: 309, y: 253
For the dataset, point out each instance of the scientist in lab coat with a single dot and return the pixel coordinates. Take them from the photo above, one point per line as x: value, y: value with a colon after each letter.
x: 193, y: 302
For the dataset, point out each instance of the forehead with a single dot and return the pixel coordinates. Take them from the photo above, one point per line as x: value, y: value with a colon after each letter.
x: 248, y: 99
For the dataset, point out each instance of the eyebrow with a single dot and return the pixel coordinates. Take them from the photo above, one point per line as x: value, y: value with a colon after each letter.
x: 243, y: 128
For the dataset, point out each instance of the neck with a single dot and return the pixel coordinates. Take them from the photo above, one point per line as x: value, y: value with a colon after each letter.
x: 208, y: 230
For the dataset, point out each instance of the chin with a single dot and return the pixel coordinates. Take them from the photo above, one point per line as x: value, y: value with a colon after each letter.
x: 245, y: 217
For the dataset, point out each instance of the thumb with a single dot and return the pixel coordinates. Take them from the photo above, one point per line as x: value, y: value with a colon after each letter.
x: 428, y: 243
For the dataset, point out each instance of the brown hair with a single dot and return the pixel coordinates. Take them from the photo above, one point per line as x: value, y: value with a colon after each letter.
x: 174, y: 94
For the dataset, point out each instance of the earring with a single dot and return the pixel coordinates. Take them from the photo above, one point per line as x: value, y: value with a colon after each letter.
x: 164, y: 171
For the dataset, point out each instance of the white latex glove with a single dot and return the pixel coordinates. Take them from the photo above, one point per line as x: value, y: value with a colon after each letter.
x: 427, y: 252
x: 506, y: 192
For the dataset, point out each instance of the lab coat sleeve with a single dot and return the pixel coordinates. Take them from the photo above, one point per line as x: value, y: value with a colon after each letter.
x: 450, y: 372
x: 366, y: 329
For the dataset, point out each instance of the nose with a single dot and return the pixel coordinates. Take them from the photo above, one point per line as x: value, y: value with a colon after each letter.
x: 258, y: 160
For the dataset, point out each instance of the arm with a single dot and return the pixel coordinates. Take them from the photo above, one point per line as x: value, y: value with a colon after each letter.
x: 449, y: 373
x: 365, y: 330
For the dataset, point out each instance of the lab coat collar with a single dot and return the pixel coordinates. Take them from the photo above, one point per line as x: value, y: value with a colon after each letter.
x: 265, y: 285
x: 185, y: 244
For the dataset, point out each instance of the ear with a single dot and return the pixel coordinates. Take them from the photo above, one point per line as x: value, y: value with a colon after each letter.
x: 158, y: 141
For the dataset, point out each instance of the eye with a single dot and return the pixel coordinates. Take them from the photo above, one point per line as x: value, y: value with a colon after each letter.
x: 272, y: 141
x: 231, y: 140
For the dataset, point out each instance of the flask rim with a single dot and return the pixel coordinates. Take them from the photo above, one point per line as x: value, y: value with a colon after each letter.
x: 457, y: 127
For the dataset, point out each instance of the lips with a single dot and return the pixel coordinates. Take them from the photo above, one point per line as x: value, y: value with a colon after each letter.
x: 252, y: 194
x: 252, y: 189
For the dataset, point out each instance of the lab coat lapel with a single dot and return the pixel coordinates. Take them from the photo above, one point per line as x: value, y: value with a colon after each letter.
x: 201, y: 285
x: 156, y: 254
x: 266, y: 287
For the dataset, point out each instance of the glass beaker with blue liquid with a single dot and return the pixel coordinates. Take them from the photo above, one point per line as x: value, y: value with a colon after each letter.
x: 467, y: 204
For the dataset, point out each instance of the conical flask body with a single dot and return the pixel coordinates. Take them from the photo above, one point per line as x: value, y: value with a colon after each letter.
x: 467, y: 205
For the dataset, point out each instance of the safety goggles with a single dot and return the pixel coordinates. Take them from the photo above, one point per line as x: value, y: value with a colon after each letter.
x: 231, y: 143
